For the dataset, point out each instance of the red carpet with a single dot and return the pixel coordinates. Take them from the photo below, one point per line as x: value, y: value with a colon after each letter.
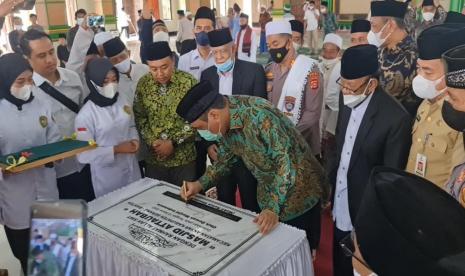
x: 324, y: 259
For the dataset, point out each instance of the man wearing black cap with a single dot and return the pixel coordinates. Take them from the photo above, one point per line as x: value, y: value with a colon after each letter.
x: 129, y: 73
x: 199, y: 59
x: 397, y: 52
x: 185, y: 27
x: 431, y: 15
x: 270, y: 146
x: 168, y: 136
x: 246, y: 41
x: 232, y: 76
x: 408, y: 226
x: 373, y: 129
x: 297, y: 28
x: 453, y: 112
x: 328, y: 19
x: 436, y: 148
x: 359, y: 32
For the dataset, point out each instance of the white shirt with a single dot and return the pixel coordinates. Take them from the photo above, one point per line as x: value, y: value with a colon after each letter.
x: 108, y: 126
x: 194, y: 64
x: 226, y: 82
x: 328, y: 120
x: 341, y: 213
x: 128, y: 84
x: 253, y: 48
x: 69, y: 85
x: 311, y: 17
x: 185, y: 30
x: 19, y: 130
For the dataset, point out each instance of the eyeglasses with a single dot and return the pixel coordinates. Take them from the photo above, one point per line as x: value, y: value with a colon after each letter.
x: 348, y: 246
x: 339, y: 82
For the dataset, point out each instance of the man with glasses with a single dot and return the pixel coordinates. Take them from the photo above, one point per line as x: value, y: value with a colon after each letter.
x: 373, y: 129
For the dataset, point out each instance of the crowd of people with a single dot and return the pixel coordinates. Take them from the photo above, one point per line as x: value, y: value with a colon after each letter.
x: 374, y: 130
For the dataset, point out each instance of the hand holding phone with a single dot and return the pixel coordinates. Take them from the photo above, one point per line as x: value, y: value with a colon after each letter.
x: 58, y: 234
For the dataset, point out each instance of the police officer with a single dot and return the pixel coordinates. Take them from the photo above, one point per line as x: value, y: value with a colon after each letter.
x: 294, y: 83
x: 436, y: 148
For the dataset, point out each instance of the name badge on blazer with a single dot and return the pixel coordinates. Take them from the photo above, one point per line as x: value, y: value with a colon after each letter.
x: 195, y: 68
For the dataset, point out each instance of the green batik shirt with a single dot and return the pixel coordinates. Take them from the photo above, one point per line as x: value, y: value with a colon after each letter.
x: 275, y: 152
x: 156, y: 118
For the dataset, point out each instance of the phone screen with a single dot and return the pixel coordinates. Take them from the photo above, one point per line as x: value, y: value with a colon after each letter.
x: 95, y: 20
x: 57, y: 243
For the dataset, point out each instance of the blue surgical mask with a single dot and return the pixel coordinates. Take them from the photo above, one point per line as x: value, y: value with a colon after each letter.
x: 202, y: 39
x: 225, y: 66
x: 208, y: 135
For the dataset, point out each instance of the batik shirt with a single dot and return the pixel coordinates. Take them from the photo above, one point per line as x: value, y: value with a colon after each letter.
x: 275, y: 153
x: 328, y: 22
x: 398, y: 68
x: 156, y: 118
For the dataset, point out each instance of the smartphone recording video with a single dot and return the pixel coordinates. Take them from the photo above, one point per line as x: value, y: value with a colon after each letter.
x: 57, y: 245
x: 95, y: 20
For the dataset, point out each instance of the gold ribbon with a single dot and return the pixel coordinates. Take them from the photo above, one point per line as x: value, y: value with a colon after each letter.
x: 72, y: 137
x: 12, y: 162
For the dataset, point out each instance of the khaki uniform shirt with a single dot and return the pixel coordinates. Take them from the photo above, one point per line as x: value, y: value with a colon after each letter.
x: 432, y: 137
x: 308, y: 124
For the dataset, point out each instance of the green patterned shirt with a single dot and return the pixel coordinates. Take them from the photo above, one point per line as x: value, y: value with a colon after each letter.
x: 276, y: 154
x: 156, y: 117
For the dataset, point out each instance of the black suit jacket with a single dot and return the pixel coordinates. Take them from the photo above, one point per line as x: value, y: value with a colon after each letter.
x: 248, y: 79
x: 383, y: 139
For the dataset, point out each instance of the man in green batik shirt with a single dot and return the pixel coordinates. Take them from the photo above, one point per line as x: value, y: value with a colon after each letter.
x: 271, y: 148
x: 169, y: 137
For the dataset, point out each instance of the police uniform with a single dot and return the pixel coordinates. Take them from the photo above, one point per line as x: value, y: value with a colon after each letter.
x: 308, y: 124
x: 436, y: 148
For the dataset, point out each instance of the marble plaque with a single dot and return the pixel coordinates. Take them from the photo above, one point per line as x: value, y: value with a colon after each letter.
x: 197, y: 238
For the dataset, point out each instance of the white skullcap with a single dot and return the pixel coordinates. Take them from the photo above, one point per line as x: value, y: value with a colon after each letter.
x: 102, y: 37
x: 278, y: 27
x: 334, y: 39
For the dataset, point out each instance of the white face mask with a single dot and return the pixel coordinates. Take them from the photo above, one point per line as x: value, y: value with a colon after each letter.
x: 18, y: 27
x: 354, y: 100
x: 323, y: 10
x: 23, y: 93
x: 371, y: 37
x: 378, y: 41
x: 329, y: 62
x: 124, y: 66
x: 79, y: 21
x: 426, y: 89
x: 297, y: 46
x: 428, y: 16
x: 161, y: 36
x: 109, y: 90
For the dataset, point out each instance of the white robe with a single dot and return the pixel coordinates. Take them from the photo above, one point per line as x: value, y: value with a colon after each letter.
x: 20, y: 130
x: 108, y: 126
